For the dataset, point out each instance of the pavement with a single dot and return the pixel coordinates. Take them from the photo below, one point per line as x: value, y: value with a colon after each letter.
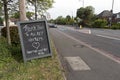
x: 82, y: 62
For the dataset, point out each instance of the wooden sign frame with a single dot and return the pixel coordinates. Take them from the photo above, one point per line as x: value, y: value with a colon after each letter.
x: 34, y: 44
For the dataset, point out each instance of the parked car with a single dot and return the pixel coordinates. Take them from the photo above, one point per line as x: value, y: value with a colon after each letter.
x: 52, y: 26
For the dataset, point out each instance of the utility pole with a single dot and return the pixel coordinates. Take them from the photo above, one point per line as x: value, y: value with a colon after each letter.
x: 7, y: 21
x: 112, y: 5
x: 82, y: 3
x: 112, y: 13
x: 22, y: 10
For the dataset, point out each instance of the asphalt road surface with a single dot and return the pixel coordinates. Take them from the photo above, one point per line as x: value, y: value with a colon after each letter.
x: 87, y: 54
x: 106, y: 40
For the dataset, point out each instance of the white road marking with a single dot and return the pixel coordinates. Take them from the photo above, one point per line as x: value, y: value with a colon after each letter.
x: 108, y: 37
x: 77, y: 63
x: 89, y: 31
x: 86, y: 31
x: 95, y: 49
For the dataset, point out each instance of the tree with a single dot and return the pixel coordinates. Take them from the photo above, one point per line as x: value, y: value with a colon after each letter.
x: 29, y: 15
x: 60, y: 20
x: 85, y: 14
x: 1, y: 4
x: 40, y: 5
x: 12, y: 6
x: 1, y: 21
x: 17, y: 15
x: 5, y: 3
x: 22, y: 10
x: 68, y: 18
x: 72, y: 21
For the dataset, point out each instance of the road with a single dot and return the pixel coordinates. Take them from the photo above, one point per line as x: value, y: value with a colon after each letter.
x: 113, y: 34
x: 106, y: 40
x: 87, y: 54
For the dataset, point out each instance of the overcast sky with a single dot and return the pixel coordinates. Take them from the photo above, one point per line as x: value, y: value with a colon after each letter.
x: 69, y: 7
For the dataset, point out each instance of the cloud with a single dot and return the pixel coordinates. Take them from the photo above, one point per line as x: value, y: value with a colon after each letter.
x: 69, y: 7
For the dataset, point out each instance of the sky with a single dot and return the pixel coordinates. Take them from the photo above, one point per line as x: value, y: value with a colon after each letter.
x: 69, y: 7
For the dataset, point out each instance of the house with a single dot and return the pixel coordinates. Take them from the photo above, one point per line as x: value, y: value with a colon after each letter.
x: 116, y: 17
x: 108, y: 15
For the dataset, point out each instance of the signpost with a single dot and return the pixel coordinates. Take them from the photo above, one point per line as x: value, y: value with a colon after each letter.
x: 34, y: 39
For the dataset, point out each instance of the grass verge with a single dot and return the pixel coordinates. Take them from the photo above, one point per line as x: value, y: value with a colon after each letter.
x: 13, y: 68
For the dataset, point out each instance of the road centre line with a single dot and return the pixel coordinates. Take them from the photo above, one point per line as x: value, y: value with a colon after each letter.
x: 108, y: 37
x: 95, y: 49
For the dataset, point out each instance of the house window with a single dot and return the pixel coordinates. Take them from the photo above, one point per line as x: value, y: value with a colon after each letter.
x: 118, y: 15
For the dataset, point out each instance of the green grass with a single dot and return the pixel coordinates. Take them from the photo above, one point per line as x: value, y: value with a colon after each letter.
x: 13, y: 68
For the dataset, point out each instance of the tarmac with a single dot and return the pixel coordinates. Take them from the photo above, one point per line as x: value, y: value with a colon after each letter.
x: 82, y: 62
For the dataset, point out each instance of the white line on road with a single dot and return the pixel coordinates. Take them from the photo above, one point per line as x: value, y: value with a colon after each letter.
x: 86, y: 31
x: 108, y: 37
x: 95, y: 49
x: 77, y: 63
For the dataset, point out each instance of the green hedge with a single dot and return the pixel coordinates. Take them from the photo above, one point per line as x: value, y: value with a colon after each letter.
x: 99, y: 23
x: 115, y: 26
x: 13, y: 33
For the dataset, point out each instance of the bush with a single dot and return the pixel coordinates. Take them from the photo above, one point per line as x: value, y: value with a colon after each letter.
x: 115, y: 26
x: 13, y: 34
x: 99, y: 23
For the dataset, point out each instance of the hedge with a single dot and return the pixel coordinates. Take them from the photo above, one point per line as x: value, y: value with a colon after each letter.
x: 13, y: 34
x: 115, y: 26
x: 99, y: 23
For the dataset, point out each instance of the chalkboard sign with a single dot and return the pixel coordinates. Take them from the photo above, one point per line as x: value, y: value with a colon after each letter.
x: 34, y: 39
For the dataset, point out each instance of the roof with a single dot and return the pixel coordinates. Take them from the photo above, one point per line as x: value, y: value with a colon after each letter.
x: 118, y: 13
x: 105, y: 13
